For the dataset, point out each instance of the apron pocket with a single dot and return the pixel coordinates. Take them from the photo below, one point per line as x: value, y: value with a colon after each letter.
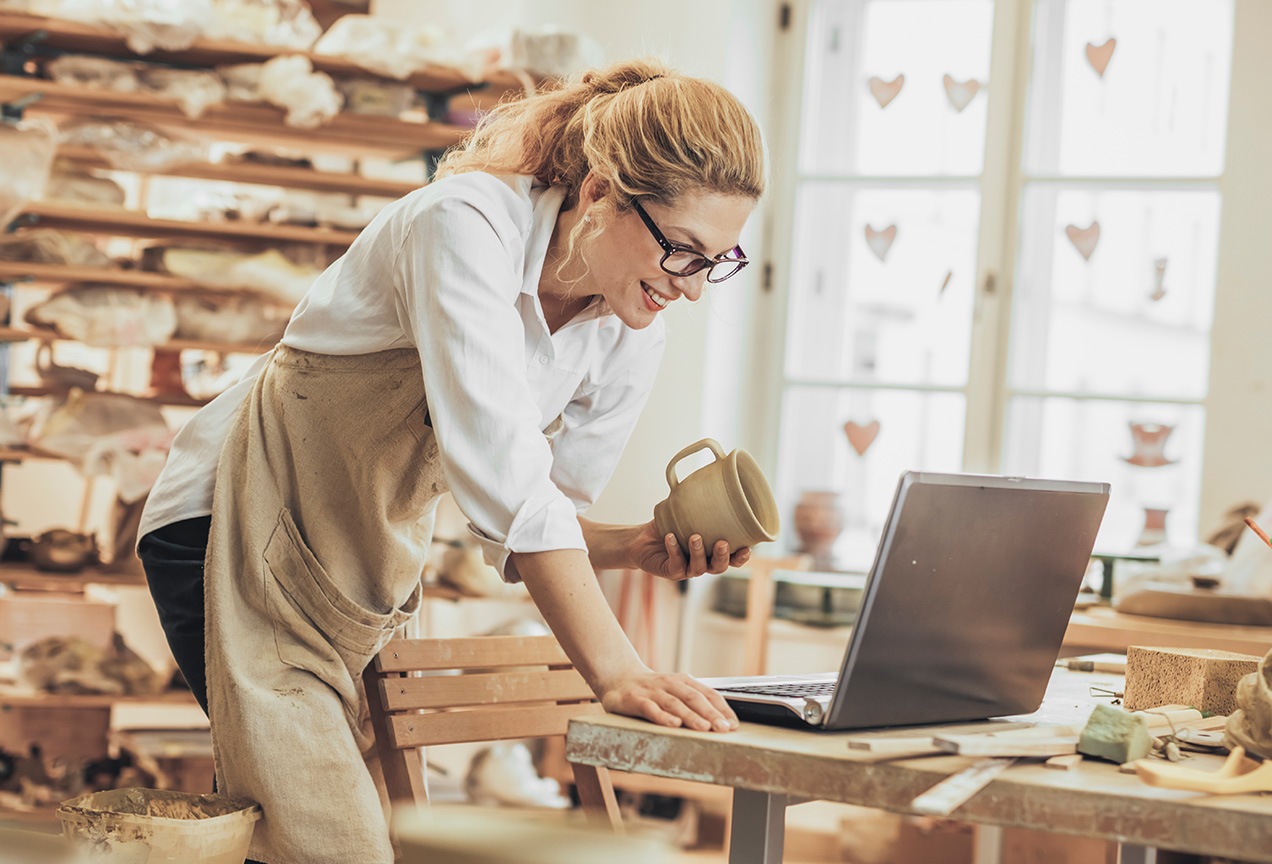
x: 316, y: 627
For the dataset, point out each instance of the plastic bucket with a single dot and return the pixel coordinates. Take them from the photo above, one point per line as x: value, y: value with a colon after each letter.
x: 152, y: 826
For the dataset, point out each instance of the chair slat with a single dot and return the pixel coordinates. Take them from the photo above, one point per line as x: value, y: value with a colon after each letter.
x: 482, y: 652
x: 496, y: 688
x: 494, y: 724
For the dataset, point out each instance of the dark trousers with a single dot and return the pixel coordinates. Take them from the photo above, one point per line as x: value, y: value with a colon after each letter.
x: 173, y: 558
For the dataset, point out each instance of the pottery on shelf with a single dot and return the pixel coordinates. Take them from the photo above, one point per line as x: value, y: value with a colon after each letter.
x: 819, y: 520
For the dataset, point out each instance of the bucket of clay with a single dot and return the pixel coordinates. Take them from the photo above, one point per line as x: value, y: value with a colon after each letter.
x: 151, y: 826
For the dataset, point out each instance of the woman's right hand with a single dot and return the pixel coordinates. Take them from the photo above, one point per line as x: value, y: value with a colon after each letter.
x: 669, y: 699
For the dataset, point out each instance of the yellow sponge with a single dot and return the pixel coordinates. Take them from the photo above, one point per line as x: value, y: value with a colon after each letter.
x: 1198, y: 677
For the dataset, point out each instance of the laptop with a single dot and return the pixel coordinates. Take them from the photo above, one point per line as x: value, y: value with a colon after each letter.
x: 962, y: 615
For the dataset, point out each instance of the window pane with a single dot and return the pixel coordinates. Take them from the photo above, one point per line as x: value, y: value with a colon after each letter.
x: 882, y: 284
x: 916, y: 431
x: 1134, y: 319
x: 1159, y: 109
x: 1082, y: 439
x: 896, y: 126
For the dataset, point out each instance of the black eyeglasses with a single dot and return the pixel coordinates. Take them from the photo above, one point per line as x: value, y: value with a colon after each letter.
x: 681, y: 260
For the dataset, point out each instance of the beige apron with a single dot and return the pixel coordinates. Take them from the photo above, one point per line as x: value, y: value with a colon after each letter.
x: 322, y: 518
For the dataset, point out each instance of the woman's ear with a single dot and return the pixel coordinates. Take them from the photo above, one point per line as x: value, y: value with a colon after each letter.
x: 593, y: 188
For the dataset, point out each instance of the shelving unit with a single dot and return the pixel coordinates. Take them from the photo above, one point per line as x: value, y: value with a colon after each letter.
x: 81, y: 38
x: 265, y: 175
x: 126, y: 223
x: 39, y: 334
x: 354, y: 137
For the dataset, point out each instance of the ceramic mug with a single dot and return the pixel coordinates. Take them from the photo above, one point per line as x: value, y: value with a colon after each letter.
x: 728, y: 499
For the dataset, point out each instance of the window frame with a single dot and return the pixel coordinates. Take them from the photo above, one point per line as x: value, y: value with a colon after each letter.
x: 1002, y: 185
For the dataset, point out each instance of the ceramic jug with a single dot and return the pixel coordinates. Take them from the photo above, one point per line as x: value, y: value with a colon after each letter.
x: 728, y: 499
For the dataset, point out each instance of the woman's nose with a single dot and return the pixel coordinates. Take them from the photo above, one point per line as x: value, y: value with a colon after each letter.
x: 690, y: 286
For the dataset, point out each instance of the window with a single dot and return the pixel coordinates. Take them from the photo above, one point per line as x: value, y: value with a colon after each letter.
x: 983, y: 281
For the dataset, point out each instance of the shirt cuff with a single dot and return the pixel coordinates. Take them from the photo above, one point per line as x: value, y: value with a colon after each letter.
x: 541, y: 525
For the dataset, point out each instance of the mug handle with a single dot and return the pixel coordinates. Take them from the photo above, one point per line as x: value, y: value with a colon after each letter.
x: 705, y: 443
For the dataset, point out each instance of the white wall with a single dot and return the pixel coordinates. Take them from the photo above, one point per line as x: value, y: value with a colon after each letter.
x: 1238, y: 454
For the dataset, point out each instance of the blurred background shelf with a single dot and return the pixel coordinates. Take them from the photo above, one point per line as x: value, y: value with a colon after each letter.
x: 243, y: 122
x: 77, y: 37
x: 26, y: 577
x: 56, y: 275
x: 259, y: 173
x: 23, y: 334
x: 126, y: 223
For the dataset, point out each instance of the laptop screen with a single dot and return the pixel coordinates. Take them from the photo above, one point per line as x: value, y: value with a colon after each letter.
x: 968, y: 600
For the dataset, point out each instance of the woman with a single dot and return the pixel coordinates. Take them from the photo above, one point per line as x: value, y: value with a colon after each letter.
x: 495, y: 334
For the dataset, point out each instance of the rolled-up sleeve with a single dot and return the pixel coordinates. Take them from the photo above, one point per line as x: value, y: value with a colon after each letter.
x: 459, y: 277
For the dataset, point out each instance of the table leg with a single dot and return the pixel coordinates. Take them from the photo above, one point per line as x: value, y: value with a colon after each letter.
x: 1129, y: 854
x: 759, y: 827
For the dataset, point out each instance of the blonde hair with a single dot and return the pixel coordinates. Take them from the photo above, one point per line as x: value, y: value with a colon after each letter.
x: 646, y: 131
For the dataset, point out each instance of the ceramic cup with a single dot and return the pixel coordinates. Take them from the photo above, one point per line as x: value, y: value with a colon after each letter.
x: 727, y: 499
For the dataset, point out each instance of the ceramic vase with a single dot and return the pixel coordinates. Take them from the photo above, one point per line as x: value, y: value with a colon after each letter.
x: 819, y: 520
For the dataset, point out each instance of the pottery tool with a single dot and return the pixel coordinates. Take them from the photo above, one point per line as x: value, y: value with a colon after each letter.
x: 948, y: 795
x: 1257, y: 530
x: 1111, y: 663
x: 1238, y: 775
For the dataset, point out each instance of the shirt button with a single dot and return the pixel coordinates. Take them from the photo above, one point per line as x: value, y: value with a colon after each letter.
x: 543, y: 360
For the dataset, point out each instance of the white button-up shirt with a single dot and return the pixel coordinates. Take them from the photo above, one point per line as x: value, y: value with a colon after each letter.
x: 453, y: 270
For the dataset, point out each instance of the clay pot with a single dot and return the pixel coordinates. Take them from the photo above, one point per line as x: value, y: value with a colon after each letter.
x: 819, y: 520
x: 728, y: 499
x: 62, y: 551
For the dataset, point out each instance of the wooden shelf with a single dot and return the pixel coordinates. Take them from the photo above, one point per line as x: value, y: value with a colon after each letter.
x: 172, y: 399
x: 58, y: 275
x: 25, y: 698
x: 27, y: 577
x: 244, y: 122
x: 85, y: 38
x: 23, y: 454
x: 24, y: 334
x: 127, y: 223
x: 265, y: 175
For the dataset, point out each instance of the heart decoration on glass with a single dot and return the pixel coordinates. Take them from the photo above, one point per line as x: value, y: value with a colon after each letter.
x: 1159, y: 279
x: 1099, y: 56
x: 961, y: 93
x: 885, y: 91
x: 880, y: 241
x: 1084, y: 239
x: 861, y: 437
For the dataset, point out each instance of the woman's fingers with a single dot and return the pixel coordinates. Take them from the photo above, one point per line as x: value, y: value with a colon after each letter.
x: 697, y: 556
x: 675, y: 559
x: 720, y: 557
x: 740, y: 557
x: 707, y: 703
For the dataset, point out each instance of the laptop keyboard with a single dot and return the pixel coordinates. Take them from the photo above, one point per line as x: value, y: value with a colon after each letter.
x: 798, y: 691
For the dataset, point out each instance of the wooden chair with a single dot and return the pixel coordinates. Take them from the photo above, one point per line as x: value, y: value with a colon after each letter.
x: 507, y: 687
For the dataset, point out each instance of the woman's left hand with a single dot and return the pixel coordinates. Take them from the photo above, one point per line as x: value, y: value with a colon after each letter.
x: 662, y: 556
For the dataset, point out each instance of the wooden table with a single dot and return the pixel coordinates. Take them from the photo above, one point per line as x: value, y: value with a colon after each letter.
x: 1104, y: 629
x: 770, y: 767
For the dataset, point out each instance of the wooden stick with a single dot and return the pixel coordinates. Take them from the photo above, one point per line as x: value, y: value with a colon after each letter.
x: 1257, y: 530
x: 1066, y: 762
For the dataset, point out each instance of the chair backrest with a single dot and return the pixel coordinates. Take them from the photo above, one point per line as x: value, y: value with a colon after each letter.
x: 499, y: 687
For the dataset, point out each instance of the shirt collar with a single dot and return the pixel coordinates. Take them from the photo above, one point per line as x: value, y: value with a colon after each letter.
x: 546, y: 201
